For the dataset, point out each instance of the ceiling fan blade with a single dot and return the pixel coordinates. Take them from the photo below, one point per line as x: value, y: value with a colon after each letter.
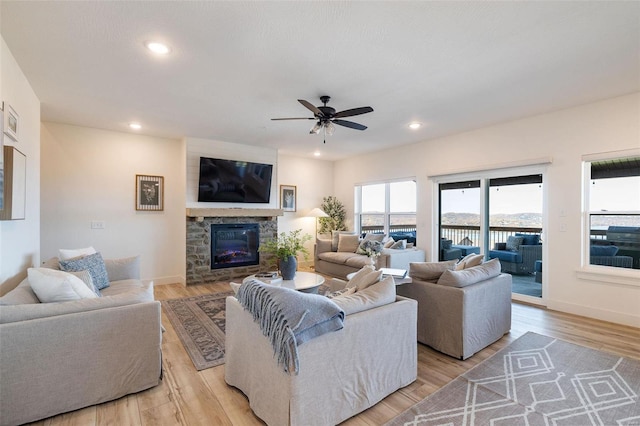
x: 350, y: 124
x: 311, y: 107
x: 354, y: 111
x: 294, y: 118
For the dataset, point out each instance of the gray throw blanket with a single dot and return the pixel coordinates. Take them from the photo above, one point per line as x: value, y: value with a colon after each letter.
x: 289, y: 318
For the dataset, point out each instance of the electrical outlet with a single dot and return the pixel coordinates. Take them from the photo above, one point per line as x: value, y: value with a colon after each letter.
x: 97, y: 224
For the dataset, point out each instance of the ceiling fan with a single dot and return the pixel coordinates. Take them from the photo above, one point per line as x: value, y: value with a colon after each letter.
x: 327, y: 117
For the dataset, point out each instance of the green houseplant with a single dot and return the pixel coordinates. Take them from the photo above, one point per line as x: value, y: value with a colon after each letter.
x: 284, y: 249
x: 337, y: 215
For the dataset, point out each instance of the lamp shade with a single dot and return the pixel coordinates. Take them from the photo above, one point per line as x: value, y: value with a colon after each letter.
x: 317, y: 213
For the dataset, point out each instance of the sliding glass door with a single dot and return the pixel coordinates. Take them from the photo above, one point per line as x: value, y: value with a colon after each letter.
x: 500, y: 217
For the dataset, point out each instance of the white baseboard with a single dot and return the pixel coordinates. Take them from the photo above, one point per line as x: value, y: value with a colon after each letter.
x: 591, y: 312
x: 168, y: 280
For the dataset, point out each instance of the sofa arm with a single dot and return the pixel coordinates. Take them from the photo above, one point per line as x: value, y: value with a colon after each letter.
x: 400, y: 259
x: 77, y: 360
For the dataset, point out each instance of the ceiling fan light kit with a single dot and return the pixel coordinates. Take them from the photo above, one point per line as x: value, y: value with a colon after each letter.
x: 327, y: 117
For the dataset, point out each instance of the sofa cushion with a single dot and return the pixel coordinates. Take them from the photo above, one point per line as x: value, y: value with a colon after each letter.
x: 335, y: 236
x: 66, y: 254
x: 514, y: 243
x: 92, y: 263
x: 507, y: 256
x: 21, y: 295
x: 529, y: 239
x: 53, y: 263
x: 373, y: 237
x: 358, y: 261
x: 603, y: 250
x: 472, y: 275
x: 429, y: 271
x: 57, y: 286
x: 341, y: 257
x: 378, y: 294
x: 348, y: 243
x: 136, y: 292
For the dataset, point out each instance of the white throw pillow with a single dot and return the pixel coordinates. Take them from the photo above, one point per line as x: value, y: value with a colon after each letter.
x: 57, y: 286
x: 66, y: 254
x: 380, y: 293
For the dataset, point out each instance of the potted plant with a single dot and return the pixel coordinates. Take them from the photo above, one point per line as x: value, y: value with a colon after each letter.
x: 284, y: 249
x: 337, y: 215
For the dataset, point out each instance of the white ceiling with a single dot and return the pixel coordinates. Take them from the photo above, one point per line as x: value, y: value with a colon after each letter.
x: 454, y: 66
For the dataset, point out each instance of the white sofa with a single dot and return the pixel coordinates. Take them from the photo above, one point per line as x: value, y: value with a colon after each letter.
x: 329, y: 261
x: 60, y: 357
x: 341, y: 373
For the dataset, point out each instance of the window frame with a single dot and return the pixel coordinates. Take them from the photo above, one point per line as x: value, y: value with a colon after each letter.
x: 358, y: 213
x: 602, y: 273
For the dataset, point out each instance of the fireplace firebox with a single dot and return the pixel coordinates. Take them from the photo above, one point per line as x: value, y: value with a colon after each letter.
x: 234, y: 245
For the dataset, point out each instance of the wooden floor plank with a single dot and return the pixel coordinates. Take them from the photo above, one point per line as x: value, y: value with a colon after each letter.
x: 188, y: 397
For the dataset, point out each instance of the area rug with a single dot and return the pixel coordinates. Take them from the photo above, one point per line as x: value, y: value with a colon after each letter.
x: 537, y: 380
x: 199, y: 322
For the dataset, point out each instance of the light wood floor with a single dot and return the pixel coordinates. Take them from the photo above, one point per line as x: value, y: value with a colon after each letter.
x: 188, y: 397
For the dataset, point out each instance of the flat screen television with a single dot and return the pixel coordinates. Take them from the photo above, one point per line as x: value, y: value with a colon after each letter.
x: 233, y: 181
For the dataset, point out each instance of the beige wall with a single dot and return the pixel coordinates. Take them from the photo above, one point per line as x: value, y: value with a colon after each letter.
x: 313, y: 180
x: 564, y: 136
x: 20, y: 239
x: 89, y: 175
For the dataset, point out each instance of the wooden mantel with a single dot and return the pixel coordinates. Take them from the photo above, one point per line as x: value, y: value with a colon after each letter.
x: 233, y: 212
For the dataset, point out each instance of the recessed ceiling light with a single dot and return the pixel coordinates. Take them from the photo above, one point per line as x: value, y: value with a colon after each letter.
x: 135, y: 126
x: 415, y: 125
x: 317, y: 153
x: 158, y: 48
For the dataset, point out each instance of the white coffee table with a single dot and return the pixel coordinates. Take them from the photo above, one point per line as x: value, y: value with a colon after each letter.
x: 396, y: 280
x: 307, y: 282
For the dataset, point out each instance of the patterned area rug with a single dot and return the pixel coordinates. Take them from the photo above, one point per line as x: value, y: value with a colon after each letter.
x: 537, y: 380
x: 199, y: 321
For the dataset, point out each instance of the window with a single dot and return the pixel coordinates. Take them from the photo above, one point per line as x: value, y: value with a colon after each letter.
x: 388, y: 208
x: 612, y: 212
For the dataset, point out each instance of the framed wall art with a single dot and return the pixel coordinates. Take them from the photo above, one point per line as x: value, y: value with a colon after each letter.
x: 149, y: 193
x: 288, y: 198
x: 12, y: 123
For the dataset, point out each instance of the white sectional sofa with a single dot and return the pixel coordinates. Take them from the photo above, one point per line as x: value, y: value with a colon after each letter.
x: 63, y: 356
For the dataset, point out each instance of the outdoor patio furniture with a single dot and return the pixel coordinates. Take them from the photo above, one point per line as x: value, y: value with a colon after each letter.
x: 522, y: 259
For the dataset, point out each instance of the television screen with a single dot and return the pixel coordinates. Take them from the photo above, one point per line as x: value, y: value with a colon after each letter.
x: 234, y: 181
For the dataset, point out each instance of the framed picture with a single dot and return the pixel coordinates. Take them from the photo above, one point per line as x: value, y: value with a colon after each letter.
x: 288, y: 198
x: 149, y: 193
x: 12, y: 123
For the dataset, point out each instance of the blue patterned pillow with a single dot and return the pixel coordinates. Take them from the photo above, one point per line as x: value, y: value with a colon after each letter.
x: 92, y: 263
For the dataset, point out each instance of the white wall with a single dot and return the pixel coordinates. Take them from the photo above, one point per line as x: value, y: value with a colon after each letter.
x: 564, y: 136
x: 197, y: 148
x: 313, y: 180
x: 20, y: 239
x: 89, y: 174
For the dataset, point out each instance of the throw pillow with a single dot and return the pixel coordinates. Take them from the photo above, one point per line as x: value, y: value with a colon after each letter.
x: 389, y: 243
x: 126, y: 268
x: 85, y: 276
x: 53, y: 263
x: 469, y: 261
x: 373, y: 237
x: 66, y: 254
x: 335, y: 235
x: 399, y: 245
x: 472, y: 275
x: 603, y: 250
x: 344, y: 291
x: 348, y: 243
x: 364, y: 278
x: 92, y: 263
x: 529, y: 239
x: 381, y: 293
x: 235, y: 287
x: 57, y: 286
x: 428, y: 271
x: 514, y: 243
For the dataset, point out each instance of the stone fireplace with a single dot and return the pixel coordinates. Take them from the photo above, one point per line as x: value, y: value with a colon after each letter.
x: 199, y: 238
